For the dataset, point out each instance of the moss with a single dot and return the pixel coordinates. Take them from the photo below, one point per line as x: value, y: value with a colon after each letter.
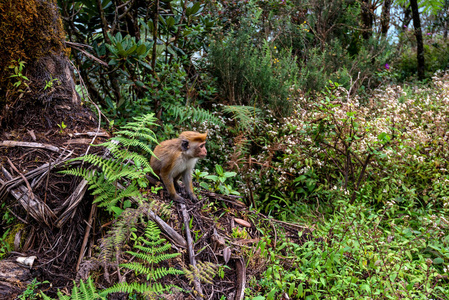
x: 9, y: 239
x: 29, y: 30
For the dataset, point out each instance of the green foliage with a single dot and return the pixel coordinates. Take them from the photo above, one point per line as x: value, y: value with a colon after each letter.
x: 150, y: 250
x: 8, y: 235
x: 188, y: 113
x: 62, y: 126
x: 30, y: 293
x: 246, y: 117
x: 219, y: 183
x: 251, y: 74
x: 436, y: 55
x: 385, y: 150
x: 126, y: 168
x: 5, y: 247
x: 85, y: 291
x: 126, y: 51
x: 149, y: 64
x: 337, y: 64
x: 361, y: 253
x: 20, y: 79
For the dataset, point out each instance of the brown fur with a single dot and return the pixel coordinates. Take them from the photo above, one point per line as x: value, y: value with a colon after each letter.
x: 172, y: 161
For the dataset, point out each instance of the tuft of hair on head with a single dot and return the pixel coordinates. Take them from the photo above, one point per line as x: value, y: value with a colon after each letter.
x: 193, y: 136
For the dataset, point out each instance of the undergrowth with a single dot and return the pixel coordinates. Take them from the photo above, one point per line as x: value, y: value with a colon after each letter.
x: 369, y: 180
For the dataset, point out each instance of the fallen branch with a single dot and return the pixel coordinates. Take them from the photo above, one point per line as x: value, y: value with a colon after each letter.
x: 30, y: 145
x: 190, y: 251
x: 226, y: 198
x: 37, y: 209
x: 93, y: 210
x: 175, y: 236
x: 101, y: 134
x: 241, y: 279
x: 71, y: 203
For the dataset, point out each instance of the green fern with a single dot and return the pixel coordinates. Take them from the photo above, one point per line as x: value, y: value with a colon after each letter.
x: 86, y: 291
x: 149, y: 291
x: 124, y: 227
x: 125, y: 167
x: 246, y: 117
x: 204, y: 271
x: 198, y: 114
x: 149, y: 250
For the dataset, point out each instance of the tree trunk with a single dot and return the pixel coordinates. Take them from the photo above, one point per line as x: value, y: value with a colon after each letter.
x: 367, y: 18
x: 419, y: 39
x: 407, y: 17
x: 385, y: 19
x: 33, y: 62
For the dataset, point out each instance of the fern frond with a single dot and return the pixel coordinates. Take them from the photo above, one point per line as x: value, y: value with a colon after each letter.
x: 149, y: 255
x: 150, y: 272
x: 205, y: 271
x: 130, y: 191
x: 142, y: 288
x: 138, y: 159
x: 151, y: 258
x: 86, y: 291
x: 153, y: 244
x: 246, y: 117
x: 79, y: 172
x: 198, y: 114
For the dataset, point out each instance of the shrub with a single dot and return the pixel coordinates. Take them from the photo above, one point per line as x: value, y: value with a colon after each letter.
x: 252, y: 73
x: 389, y: 149
x: 436, y: 55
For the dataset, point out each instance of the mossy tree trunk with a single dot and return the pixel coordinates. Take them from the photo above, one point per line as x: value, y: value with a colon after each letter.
x: 34, y: 61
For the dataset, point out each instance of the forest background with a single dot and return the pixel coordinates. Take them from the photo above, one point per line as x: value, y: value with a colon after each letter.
x: 331, y: 116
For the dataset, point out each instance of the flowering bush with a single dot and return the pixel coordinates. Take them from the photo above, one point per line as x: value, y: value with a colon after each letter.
x: 389, y: 147
x: 368, y: 177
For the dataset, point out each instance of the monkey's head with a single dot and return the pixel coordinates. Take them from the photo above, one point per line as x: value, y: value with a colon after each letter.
x: 193, y: 144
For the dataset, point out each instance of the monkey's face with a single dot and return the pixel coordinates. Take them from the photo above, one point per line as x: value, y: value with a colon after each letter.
x: 201, y: 150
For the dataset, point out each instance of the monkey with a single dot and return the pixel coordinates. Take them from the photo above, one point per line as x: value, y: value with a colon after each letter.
x: 176, y: 158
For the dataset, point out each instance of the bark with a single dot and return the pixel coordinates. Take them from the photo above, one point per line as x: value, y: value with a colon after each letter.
x: 385, y: 19
x: 31, y: 32
x: 367, y: 18
x: 419, y: 39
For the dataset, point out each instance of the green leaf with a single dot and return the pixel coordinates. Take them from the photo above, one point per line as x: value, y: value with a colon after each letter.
x: 212, y: 177
x: 291, y: 289
x: 229, y: 174
x: 141, y: 50
x: 438, y: 261
x: 131, y: 50
x: 205, y: 186
x: 195, y: 8
x: 170, y: 22
x: 150, y: 25
x: 300, y: 290
x: 219, y: 170
x: 119, y: 47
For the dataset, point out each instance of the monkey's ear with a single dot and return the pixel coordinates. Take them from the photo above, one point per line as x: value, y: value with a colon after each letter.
x: 185, y: 145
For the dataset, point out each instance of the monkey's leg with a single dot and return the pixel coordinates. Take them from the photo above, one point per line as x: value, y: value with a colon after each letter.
x: 176, y: 184
x: 169, y: 185
x: 187, y: 179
